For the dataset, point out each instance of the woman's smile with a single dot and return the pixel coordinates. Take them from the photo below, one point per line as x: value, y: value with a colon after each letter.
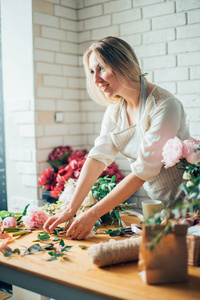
x: 103, y: 77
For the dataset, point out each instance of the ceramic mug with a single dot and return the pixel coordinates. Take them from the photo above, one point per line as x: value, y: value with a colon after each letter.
x: 150, y: 207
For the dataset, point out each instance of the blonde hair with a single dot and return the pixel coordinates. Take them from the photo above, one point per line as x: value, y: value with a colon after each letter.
x: 117, y: 55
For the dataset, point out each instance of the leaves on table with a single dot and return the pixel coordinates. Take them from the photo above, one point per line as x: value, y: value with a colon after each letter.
x: 59, y: 252
x: 33, y: 248
x: 10, y: 252
x: 119, y: 231
x: 42, y: 236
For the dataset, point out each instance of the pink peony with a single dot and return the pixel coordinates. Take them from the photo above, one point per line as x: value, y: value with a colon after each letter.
x: 172, y: 152
x: 9, y: 222
x: 36, y: 217
x: 191, y: 153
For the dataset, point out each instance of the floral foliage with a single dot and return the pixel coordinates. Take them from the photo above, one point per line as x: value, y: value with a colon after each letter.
x: 67, y: 163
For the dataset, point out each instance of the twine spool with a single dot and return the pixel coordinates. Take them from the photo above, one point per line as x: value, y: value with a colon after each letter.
x: 114, y: 252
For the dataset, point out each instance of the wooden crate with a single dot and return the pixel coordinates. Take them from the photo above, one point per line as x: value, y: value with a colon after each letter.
x: 193, y: 245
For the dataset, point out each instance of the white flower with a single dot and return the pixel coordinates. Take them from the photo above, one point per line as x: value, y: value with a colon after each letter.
x: 186, y: 176
x: 68, y: 192
x: 0, y: 220
x: 91, y: 234
x: 89, y: 200
x: 189, y: 183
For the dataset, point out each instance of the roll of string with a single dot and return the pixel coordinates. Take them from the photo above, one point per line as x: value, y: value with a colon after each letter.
x: 115, y: 252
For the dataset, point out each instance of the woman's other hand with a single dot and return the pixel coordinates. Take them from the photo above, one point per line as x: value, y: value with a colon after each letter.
x: 81, y: 226
x: 61, y: 217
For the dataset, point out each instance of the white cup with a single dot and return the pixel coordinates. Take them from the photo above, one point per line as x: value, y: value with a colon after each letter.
x: 150, y: 207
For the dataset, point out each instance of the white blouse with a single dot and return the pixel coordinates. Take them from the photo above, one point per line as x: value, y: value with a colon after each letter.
x: 161, y: 117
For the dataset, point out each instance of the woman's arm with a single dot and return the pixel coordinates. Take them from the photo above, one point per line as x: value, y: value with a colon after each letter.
x: 82, y: 224
x: 91, y: 170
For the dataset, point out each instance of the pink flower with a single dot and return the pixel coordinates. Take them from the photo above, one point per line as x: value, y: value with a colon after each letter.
x: 59, y: 249
x: 172, y: 152
x: 191, y: 153
x: 9, y: 222
x: 36, y: 217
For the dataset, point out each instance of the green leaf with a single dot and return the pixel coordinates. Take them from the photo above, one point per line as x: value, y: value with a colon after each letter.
x: 51, y: 259
x: 55, y: 232
x: 4, y: 214
x: 33, y: 248
x: 64, y: 158
x: 16, y: 251
x: 62, y: 243
x: 44, y: 236
x: 66, y: 248
x: 8, y: 254
x: 53, y: 253
x: 49, y: 247
x: 117, y: 216
x: 113, y: 179
x: 55, y: 164
x: 56, y: 239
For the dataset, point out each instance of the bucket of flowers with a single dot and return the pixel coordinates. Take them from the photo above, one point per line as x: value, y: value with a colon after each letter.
x: 171, y: 238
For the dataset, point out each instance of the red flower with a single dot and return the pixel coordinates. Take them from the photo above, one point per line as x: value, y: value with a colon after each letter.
x: 57, y: 190
x: 77, y: 163
x: 111, y: 170
x: 77, y: 173
x: 47, y: 178
x: 76, y: 154
x: 58, y: 152
x: 64, y: 174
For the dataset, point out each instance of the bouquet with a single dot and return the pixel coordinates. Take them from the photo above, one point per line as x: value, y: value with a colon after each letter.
x: 67, y: 163
x: 60, y: 181
x: 186, y: 209
x: 101, y: 188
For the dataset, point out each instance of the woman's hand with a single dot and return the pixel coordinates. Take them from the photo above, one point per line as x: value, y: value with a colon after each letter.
x: 61, y: 217
x: 81, y: 226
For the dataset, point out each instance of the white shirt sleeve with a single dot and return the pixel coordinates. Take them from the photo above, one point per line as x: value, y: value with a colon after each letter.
x: 165, y: 120
x: 104, y: 150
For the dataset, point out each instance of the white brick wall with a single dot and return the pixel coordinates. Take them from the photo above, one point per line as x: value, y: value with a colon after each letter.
x: 166, y: 39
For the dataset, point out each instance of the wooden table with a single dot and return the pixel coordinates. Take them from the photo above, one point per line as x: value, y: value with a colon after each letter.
x: 77, y: 278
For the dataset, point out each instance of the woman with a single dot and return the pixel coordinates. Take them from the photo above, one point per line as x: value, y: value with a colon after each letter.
x: 139, y: 119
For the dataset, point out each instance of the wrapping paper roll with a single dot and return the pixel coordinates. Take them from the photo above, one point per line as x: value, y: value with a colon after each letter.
x: 115, y: 252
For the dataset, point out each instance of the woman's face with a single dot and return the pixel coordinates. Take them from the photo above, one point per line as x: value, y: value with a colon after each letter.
x: 103, y: 78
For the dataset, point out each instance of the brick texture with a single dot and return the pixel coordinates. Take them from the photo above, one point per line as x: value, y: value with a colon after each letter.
x: 166, y: 39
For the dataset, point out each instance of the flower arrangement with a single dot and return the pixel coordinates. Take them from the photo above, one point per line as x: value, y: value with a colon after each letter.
x: 61, y: 181
x: 100, y: 189
x: 67, y: 163
x: 186, y: 209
